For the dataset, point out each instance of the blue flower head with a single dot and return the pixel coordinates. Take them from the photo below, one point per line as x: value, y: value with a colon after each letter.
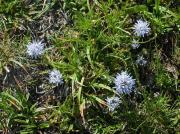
x: 35, y: 49
x: 141, y: 61
x: 55, y: 77
x: 141, y: 28
x: 135, y: 44
x: 124, y: 83
x: 113, y: 103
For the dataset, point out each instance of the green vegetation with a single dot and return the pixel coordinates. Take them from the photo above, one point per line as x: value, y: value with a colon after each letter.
x: 89, y: 42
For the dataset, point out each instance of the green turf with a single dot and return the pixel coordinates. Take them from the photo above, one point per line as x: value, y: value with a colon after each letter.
x: 89, y: 42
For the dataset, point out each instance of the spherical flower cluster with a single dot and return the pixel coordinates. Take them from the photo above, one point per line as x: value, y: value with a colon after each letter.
x: 35, y: 49
x: 135, y: 44
x: 55, y: 77
x: 141, y: 28
x: 141, y: 61
x: 113, y: 103
x: 124, y: 83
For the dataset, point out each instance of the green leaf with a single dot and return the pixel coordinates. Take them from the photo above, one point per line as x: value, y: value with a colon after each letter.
x: 97, y: 85
x: 97, y: 99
